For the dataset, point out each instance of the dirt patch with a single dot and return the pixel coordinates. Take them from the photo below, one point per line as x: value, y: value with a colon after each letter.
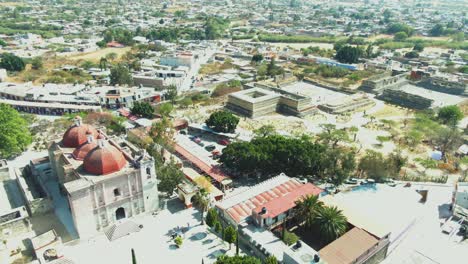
x: 95, y: 56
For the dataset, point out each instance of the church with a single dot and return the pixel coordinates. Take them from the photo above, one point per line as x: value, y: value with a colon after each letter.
x: 105, y: 179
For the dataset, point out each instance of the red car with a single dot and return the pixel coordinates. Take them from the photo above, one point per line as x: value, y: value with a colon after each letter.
x: 224, y: 142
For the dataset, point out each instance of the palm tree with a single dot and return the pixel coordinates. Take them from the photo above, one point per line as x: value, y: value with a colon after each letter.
x: 307, y: 209
x: 331, y: 223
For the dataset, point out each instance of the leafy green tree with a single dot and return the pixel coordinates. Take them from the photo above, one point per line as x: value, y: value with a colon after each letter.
x: 265, y: 131
x: 333, y: 136
x: 230, y: 235
x: 270, y: 260
x: 142, y: 109
x: 412, y: 55
x: 171, y: 93
x: 222, y: 121
x: 120, y: 75
x: 273, y: 69
x: 36, y: 63
x: 331, y: 223
x: 348, y: 54
x: 162, y: 132
x: 307, y: 209
x: 211, y: 217
x: 450, y: 115
x: 217, y: 227
x: 103, y: 63
x: 224, y: 259
x: 374, y: 166
x: 448, y: 139
x: 437, y: 30
x: 165, y: 109
x: 169, y: 177
x: 14, y: 132
x: 290, y: 238
x: 11, y: 62
x: 418, y: 47
x: 257, y: 58
x: 400, y: 27
x: 179, y: 241
x: 400, y: 36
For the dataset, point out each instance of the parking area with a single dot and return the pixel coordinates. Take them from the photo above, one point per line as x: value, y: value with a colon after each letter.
x: 202, y: 146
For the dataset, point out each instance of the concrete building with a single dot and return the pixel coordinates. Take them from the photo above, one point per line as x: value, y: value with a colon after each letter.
x: 105, y: 179
x: 263, y: 100
x: 253, y: 102
x: 178, y: 59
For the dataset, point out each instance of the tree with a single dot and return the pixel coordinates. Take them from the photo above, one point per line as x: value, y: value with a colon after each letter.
x: 333, y: 136
x: 162, y: 132
x: 230, y: 235
x: 11, y: 62
x: 169, y: 177
x: 265, y: 131
x: 374, y: 166
x: 143, y: 109
x: 307, y: 209
x: 201, y: 200
x: 36, y: 63
x: 437, y: 30
x: 171, y: 93
x: 418, y: 47
x: 400, y: 27
x: 400, y: 36
x: 186, y: 102
x: 450, y: 115
x: 290, y: 238
x: 348, y: 54
x: 120, y: 75
x: 217, y: 227
x: 224, y: 259
x: 14, y: 133
x: 331, y: 223
x: 179, y: 241
x: 447, y: 139
x: 270, y: 260
x: 412, y: 55
x: 211, y: 217
x: 223, y: 121
x: 165, y: 109
x: 257, y: 58
x: 134, y: 261
x: 103, y: 64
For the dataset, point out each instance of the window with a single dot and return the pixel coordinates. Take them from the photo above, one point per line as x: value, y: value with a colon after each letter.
x: 148, y: 173
x: 116, y: 192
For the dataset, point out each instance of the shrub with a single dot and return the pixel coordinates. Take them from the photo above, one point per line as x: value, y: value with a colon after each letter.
x: 290, y: 238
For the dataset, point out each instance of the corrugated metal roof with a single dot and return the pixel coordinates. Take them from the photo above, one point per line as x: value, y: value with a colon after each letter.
x: 350, y: 246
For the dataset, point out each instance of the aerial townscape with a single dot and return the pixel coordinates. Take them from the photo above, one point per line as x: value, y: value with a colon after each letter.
x: 233, y: 131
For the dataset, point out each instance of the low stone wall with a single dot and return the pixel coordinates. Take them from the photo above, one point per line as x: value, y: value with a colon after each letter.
x: 14, y: 223
x: 443, y: 86
x: 405, y: 99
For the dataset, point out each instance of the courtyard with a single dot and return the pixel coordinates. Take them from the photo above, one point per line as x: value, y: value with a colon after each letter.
x: 153, y: 244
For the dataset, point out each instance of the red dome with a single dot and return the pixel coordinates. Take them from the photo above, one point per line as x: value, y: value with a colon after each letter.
x: 80, y: 152
x: 77, y: 135
x: 104, y: 160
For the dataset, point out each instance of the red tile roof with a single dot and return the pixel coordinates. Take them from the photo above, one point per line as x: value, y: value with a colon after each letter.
x: 284, y: 203
x: 279, y: 199
x: 211, y: 171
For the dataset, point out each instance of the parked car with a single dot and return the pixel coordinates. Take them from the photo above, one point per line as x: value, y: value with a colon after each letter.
x: 224, y: 142
x: 210, y: 147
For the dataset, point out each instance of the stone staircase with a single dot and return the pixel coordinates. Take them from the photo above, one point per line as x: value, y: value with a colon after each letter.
x: 122, y: 229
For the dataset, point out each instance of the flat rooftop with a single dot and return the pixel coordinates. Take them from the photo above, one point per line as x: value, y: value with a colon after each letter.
x: 255, y: 95
x: 318, y: 95
x: 440, y: 99
x: 378, y: 209
x: 10, y: 197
